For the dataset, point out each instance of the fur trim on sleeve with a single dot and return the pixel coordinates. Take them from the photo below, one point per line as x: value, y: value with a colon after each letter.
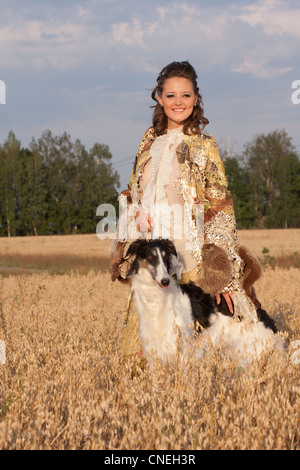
x: 216, y: 270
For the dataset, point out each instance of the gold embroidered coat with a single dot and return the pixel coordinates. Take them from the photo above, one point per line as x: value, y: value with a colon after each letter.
x: 202, y: 180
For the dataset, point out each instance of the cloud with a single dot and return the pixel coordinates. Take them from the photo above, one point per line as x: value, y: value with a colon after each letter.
x: 270, y: 26
x: 40, y: 43
x: 146, y: 38
x: 171, y: 22
x: 176, y: 31
x: 270, y: 52
x: 55, y: 41
x: 258, y: 68
x: 129, y: 33
x: 274, y: 17
x: 216, y: 36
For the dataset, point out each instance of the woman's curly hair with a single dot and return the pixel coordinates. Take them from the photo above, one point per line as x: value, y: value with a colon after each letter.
x: 196, y: 121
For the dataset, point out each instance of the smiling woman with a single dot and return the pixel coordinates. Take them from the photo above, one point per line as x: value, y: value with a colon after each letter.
x: 177, y: 99
x: 178, y: 165
x: 179, y: 102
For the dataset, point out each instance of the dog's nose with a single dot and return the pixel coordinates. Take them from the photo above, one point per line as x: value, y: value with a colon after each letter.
x: 165, y: 282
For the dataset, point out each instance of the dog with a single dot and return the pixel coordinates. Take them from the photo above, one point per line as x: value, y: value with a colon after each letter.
x: 168, y: 309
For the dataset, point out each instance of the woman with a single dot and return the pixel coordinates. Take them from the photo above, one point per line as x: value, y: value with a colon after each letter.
x: 178, y: 165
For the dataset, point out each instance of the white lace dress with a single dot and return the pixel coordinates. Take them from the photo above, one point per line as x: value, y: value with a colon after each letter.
x: 161, y: 198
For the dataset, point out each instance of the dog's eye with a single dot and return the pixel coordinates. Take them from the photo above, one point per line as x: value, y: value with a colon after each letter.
x: 150, y: 258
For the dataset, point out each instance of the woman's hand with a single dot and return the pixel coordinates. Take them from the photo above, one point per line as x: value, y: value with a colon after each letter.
x: 143, y: 220
x: 228, y: 297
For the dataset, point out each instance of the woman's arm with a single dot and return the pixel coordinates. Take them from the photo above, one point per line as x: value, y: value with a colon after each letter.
x: 219, y: 218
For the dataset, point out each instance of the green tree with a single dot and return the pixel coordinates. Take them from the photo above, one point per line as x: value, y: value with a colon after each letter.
x: 98, y: 184
x: 286, y: 208
x: 8, y: 173
x: 238, y: 183
x: 272, y: 163
x: 37, y: 202
x: 54, y: 186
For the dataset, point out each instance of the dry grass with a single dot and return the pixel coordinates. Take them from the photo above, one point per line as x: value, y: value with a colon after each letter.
x: 274, y: 247
x: 66, y: 386
x: 57, y: 254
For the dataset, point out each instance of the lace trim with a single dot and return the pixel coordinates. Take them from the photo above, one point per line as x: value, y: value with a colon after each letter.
x: 162, y: 154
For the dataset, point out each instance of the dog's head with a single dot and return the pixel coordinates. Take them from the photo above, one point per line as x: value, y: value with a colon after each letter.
x: 158, y: 256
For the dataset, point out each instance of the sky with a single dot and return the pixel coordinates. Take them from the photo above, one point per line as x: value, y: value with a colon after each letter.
x: 88, y: 68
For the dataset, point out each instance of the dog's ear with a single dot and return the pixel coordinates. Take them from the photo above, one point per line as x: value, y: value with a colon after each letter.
x: 133, y: 267
x: 129, y: 263
x: 169, y: 246
x: 136, y: 246
x: 123, y: 262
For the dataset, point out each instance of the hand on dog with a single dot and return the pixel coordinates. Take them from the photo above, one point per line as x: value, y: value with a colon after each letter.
x: 228, y: 298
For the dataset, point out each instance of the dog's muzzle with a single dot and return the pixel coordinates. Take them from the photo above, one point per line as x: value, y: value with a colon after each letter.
x: 164, y: 282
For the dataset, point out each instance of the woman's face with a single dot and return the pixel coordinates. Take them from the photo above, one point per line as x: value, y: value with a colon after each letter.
x: 178, y: 100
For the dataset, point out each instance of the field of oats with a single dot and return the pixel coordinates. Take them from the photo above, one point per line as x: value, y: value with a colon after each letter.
x: 65, y: 384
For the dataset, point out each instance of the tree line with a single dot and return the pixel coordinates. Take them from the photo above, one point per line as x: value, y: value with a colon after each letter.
x: 264, y: 182
x: 55, y: 185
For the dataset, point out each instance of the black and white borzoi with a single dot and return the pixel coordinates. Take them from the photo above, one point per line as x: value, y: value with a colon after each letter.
x: 166, y: 307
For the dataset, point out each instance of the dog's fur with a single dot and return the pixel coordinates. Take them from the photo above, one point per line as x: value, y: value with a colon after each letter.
x: 166, y: 307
